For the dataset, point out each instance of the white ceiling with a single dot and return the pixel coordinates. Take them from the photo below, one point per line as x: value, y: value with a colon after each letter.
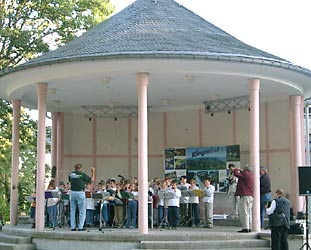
x: 172, y: 83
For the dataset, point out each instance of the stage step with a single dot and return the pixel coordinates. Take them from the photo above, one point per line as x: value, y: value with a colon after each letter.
x: 253, y: 248
x: 8, y: 242
x: 7, y: 246
x: 204, y: 244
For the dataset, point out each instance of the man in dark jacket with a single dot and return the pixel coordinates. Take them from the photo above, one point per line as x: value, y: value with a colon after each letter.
x: 78, y: 180
x: 265, y: 192
x: 279, y: 228
x: 245, y: 189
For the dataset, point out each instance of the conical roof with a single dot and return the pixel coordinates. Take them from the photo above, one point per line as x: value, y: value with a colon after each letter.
x: 153, y: 28
x: 166, y: 40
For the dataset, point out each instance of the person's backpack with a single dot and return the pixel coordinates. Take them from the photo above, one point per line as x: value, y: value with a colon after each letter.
x: 296, y: 228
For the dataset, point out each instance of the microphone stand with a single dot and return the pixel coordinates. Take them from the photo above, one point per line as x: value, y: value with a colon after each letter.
x: 307, y: 228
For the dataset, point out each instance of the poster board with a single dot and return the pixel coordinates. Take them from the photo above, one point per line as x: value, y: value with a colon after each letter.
x: 200, y: 163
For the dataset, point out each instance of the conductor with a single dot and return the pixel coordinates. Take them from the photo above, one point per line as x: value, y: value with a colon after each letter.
x: 78, y: 179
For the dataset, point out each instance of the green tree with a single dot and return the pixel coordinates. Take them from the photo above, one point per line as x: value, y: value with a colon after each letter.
x: 28, y: 137
x: 28, y: 29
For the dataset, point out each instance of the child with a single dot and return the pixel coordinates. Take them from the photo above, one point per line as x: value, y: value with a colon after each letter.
x: 132, y: 207
x: 150, y: 204
x: 194, y: 204
x: 184, y: 201
x: 51, y: 204
x: 208, y: 200
x: 33, y: 210
x: 162, y: 209
x: 173, y: 205
x: 90, y: 205
x: 118, y: 208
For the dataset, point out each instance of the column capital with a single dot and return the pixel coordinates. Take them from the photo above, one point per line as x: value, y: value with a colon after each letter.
x: 16, y: 102
x: 42, y: 88
x: 295, y: 99
x: 254, y: 84
x: 142, y: 77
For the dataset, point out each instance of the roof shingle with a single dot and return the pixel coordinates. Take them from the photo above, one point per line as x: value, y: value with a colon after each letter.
x: 149, y: 27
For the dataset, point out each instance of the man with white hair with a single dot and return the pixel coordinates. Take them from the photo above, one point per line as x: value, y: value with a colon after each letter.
x: 245, y: 189
x: 280, y: 224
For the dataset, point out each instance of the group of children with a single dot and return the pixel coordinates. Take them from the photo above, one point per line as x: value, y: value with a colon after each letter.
x: 171, y: 204
x: 182, y: 208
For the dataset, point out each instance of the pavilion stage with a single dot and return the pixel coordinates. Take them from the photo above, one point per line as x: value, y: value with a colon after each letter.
x: 223, y: 235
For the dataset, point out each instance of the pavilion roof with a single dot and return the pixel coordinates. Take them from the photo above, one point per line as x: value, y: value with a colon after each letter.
x: 157, y: 29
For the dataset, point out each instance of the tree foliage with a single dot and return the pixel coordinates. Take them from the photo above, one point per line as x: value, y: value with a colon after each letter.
x: 29, y: 28
x: 28, y: 152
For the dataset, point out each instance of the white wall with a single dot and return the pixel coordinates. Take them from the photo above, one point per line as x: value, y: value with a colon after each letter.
x: 115, y: 150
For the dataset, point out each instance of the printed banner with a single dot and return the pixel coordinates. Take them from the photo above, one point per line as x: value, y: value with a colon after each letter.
x: 200, y: 163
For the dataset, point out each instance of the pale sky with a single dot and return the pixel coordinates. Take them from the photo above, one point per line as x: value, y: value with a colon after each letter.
x: 279, y: 27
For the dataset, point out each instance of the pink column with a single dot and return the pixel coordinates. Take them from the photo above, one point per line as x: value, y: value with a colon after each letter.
x: 296, y: 150
x: 200, y: 128
x: 60, y: 148
x: 142, y: 79
x: 54, y: 145
x: 15, y: 162
x: 94, y: 148
x: 254, y: 86
x: 41, y: 141
x: 164, y: 129
x: 302, y: 129
x: 129, y: 147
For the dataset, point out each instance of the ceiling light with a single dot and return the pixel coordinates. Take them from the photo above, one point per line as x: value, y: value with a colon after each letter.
x: 165, y: 102
x: 112, y: 104
x: 106, y: 80
x: 51, y: 91
x: 56, y: 103
x: 189, y: 78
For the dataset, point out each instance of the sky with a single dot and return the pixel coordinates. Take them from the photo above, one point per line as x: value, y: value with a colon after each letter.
x: 279, y: 27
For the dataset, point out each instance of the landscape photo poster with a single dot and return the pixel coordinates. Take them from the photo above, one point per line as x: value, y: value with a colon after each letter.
x: 175, y: 159
x: 207, y: 162
x: 200, y: 163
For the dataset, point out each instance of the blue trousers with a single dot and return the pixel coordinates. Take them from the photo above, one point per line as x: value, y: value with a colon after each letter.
x: 77, y: 201
x: 263, y: 199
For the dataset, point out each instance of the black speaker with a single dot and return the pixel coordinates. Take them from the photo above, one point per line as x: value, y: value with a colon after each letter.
x: 304, y: 179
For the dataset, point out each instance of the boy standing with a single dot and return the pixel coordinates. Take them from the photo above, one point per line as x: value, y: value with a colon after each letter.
x: 208, y: 200
x: 173, y: 205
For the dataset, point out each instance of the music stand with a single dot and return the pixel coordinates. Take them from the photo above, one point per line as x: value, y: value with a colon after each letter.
x: 30, y: 199
x: 192, y: 193
x: 163, y: 194
x: 307, y: 227
x: 100, y: 197
x: 63, y: 196
x: 125, y: 196
x: 187, y: 193
x: 51, y: 194
x: 199, y: 192
x: 117, y: 201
